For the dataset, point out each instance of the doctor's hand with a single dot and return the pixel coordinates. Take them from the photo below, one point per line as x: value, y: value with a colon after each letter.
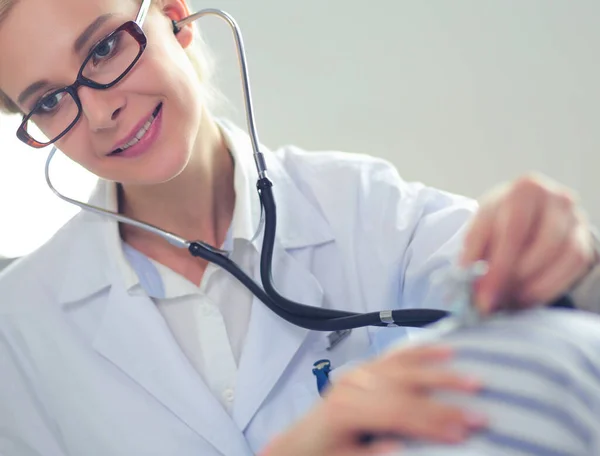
x: 388, y: 396
x: 536, y: 240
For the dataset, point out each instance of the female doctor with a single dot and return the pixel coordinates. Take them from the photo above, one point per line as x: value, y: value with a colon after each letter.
x: 112, y: 341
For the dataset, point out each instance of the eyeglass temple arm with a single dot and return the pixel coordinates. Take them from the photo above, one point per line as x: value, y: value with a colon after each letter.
x: 141, y: 17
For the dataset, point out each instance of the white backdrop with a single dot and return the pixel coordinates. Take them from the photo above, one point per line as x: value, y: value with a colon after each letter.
x: 459, y: 94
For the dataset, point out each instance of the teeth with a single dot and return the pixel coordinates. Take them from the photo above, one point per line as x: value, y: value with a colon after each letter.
x: 143, y: 130
x: 140, y: 134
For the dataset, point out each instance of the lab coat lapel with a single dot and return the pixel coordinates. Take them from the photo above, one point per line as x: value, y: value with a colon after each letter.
x: 134, y: 337
x: 271, y: 341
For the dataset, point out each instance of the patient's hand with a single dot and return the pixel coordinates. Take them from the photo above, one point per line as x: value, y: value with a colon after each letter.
x: 388, y: 396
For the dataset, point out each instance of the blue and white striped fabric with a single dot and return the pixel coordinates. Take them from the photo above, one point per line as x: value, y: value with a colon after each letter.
x: 541, y: 371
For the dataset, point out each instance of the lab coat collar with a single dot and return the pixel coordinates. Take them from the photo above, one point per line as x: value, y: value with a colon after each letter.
x: 246, y: 213
x: 299, y: 223
x: 96, y: 248
x: 106, y: 195
x: 87, y: 267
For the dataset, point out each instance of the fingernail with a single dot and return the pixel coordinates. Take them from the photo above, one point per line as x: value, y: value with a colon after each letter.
x: 488, y: 302
x: 475, y: 420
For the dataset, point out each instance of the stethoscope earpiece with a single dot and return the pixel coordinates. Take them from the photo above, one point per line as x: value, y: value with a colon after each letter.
x: 176, y: 29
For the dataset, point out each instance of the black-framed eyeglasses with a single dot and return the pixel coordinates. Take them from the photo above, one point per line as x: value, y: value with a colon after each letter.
x: 107, y: 64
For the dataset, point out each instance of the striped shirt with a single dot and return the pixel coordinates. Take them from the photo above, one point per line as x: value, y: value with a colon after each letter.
x: 541, y: 371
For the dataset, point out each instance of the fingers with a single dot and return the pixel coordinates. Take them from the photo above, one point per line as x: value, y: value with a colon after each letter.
x: 428, y: 379
x: 556, y: 224
x: 478, y: 237
x: 390, y: 399
x: 406, y: 369
x: 433, y: 420
x: 418, y: 355
x: 515, y: 220
x: 393, y: 397
x: 559, y: 274
x: 393, y: 412
x: 411, y: 369
x: 522, y: 231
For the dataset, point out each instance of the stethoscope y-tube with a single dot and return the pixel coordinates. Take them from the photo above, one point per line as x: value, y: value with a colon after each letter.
x: 315, y: 318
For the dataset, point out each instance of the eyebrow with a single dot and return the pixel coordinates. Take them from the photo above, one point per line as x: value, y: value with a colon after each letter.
x: 79, y: 44
x: 87, y: 34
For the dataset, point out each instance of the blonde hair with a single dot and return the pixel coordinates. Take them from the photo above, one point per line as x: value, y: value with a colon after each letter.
x: 197, y: 52
x: 6, y: 104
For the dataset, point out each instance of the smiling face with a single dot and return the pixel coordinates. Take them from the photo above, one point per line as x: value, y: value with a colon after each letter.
x: 142, y: 130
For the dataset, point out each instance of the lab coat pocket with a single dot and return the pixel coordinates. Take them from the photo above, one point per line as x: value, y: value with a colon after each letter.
x: 283, y: 409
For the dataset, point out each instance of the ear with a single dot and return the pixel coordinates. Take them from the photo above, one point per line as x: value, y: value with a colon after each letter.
x: 176, y: 10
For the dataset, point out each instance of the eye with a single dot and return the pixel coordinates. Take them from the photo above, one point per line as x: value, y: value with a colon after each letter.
x: 50, y: 103
x: 105, y: 49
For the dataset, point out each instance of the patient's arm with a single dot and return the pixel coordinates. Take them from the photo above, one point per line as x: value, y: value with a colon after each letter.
x: 541, y: 369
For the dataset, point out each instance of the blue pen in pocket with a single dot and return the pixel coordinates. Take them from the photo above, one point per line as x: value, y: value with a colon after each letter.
x: 321, y: 370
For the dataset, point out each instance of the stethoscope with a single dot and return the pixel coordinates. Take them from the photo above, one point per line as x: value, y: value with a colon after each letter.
x: 305, y: 316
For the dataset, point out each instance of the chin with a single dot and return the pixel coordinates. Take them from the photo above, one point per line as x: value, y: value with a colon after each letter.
x: 151, y: 170
x: 161, y: 172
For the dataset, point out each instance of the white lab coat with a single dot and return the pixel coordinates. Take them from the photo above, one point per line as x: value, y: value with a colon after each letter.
x: 88, y: 369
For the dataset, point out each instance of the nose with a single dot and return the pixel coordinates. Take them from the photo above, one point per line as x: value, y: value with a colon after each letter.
x: 101, y: 108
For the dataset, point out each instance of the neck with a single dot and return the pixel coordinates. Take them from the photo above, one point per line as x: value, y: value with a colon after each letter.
x: 196, y: 205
